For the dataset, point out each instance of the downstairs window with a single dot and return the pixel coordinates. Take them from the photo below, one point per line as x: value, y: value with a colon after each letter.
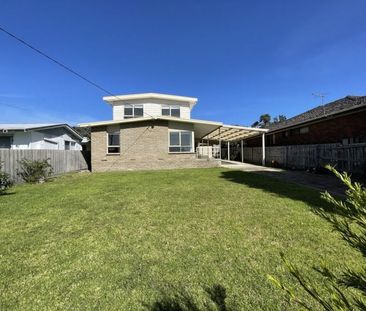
x: 114, y: 142
x: 180, y: 141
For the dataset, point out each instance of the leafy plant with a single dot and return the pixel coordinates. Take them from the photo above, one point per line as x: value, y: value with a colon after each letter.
x: 349, y: 219
x: 34, y: 171
x: 5, y: 182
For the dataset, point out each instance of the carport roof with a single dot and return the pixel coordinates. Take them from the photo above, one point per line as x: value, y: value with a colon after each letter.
x: 233, y: 132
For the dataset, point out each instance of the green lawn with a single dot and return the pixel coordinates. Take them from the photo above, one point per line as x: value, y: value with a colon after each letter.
x: 121, y: 241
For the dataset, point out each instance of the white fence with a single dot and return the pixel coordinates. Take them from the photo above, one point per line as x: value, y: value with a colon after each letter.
x: 62, y: 161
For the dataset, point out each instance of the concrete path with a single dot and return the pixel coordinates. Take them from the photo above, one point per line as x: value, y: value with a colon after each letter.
x: 319, y: 182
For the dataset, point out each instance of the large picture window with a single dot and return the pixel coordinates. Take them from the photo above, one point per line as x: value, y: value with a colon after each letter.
x: 171, y: 111
x: 114, y: 142
x: 133, y: 111
x: 180, y: 141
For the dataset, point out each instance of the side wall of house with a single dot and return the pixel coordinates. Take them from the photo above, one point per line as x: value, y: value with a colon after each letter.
x: 144, y: 146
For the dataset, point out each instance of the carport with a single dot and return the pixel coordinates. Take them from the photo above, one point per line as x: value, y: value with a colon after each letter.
x: 233, y: 133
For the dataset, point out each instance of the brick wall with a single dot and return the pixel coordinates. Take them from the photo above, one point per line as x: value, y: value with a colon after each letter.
x: 144, y: 146
x: 328, y: 131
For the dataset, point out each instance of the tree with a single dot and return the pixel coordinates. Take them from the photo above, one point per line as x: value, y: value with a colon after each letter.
x: 349, y: 219
x: 255, y: 124
x: 279, y: 119
x: 265, y: 119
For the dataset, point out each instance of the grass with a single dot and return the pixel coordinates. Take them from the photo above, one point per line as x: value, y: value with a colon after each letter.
x: 123, y: 241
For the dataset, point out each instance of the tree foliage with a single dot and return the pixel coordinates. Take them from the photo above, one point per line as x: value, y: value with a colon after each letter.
x: 349, y: 219
x: 265, y: 120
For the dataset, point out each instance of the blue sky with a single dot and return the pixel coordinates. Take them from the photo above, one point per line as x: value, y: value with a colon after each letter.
x: 240, y: 58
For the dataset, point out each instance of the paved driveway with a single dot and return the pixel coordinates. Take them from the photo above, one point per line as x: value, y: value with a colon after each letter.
x: 319, y: 182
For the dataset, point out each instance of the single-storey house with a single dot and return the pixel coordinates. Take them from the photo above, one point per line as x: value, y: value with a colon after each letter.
x: 156, y: 131
x: 342, y: 122
x: 39, y: 136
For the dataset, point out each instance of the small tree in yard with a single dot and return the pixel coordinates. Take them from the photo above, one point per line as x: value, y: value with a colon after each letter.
x: 5, y: 182
x: 350, y: 222
x: 34, y: 171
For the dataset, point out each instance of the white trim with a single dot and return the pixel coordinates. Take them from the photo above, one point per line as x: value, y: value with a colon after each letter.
x: 117, y: 98
x: 164, y: 118
x: 115, y: 146
x: 133, y: 111
x: 180, y: 145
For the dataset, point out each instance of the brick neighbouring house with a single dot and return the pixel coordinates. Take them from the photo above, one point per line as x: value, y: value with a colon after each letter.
x: 342, y: 121
x: 155, y: 131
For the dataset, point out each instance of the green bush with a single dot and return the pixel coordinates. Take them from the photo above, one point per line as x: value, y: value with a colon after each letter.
x: 348, y: 217
x: 5, y: 182
x: 34, y: 171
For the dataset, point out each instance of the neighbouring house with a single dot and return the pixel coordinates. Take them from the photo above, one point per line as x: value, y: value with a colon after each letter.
x: 155, y: 131
x: 340, y: 122
x: 39, y: 136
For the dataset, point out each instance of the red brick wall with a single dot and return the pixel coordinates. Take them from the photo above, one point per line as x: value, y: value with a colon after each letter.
x: 332, y: 130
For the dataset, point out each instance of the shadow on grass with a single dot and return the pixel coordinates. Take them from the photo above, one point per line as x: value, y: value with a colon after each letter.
x: 7, y: 193
x: 181, y: 300
x: 285, y: 189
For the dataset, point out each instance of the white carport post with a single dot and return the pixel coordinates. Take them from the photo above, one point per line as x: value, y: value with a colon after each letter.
x: 263, y: 149
x: 242, y: 152
x: 220, y: 142
x: 228, y: 150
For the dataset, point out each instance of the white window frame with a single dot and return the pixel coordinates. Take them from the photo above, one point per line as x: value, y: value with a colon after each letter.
x: 72, y: 143
x: 133, y: 106
x: 113, y: 146
x: 180, y: 139
x: 170, y: 107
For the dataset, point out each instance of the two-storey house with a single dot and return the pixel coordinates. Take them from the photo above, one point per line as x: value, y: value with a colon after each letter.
x: 155, y: 131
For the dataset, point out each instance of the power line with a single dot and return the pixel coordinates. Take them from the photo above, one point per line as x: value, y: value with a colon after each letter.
x: 61, y: 64
x: 55, y: 61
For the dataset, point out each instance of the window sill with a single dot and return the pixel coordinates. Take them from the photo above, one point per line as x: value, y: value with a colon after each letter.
x: 177, y: 152
x: 112, y: 154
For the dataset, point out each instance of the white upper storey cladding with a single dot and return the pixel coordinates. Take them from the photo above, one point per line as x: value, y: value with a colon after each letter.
x: 150, y: 105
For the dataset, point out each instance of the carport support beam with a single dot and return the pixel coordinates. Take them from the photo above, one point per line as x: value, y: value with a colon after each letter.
x: 228, y: 150
x: 242, y: 153
x: 220, y: 142
x: 263, y: 149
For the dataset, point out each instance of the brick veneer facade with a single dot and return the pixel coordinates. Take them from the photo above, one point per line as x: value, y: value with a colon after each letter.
x: 144, y: 146
x: 334, y: 129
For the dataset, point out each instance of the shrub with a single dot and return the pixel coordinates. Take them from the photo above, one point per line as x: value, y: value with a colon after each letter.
x: 349, y: 219
x: 5, y: 182
x: 34, y: 171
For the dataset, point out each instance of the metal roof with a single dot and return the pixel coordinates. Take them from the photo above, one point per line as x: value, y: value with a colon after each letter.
x: 37, y: 126
x: 25, y: 126
x: 233, y: 132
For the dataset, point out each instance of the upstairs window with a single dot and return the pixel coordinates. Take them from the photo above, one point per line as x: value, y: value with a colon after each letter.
x: 180, y: 141
x: 134, y: 111
x: 171, y: 111
x: 114, y: 142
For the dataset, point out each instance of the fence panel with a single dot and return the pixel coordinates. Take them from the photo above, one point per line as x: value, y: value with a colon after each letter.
x: 350, y: 158
x: 62, y: 161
